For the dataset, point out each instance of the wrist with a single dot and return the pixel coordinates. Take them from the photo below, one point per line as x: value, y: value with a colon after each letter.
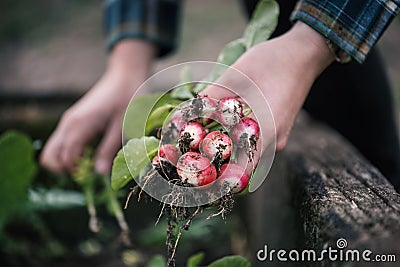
x: 313, y: 47
x: 131, y: 58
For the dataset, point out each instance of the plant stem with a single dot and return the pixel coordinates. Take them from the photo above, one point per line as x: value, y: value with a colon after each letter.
x: 116, y: 210
x: 212, y: 124
x: 94, y: 225
x: 247, y: 112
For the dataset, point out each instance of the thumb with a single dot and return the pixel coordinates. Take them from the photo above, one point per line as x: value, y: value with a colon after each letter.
x: 216, y: 92
x: 108, y: 148
x: 231, y: 83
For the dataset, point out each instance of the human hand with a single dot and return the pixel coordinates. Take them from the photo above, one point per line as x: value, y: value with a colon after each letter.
x: 100, y: 111
x: 284, y: 69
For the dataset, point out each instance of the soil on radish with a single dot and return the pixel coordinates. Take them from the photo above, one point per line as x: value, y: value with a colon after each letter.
x: 184, y: 142
x: 249, y: 145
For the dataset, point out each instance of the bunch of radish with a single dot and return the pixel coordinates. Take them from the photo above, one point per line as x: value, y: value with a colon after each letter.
x: 203, y: 139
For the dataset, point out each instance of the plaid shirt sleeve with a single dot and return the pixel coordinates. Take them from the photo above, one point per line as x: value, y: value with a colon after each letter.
x: 354, y: 26
x: 154, y: 20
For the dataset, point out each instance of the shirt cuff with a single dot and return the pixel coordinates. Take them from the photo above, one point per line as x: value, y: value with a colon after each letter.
x: 156, y: 21
x: 354, y: 26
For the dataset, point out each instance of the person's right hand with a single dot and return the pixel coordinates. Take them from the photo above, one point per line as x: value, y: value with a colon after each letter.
x: 284, y: 69
x: 100, y: 111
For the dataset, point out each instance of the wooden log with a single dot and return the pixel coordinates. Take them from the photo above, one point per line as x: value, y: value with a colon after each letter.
x: 339, y: 194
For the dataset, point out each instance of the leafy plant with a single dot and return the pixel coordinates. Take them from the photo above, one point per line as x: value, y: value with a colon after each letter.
x: 18, y: 168
x: 20, y: 201
x: 88, y: 181
x: 23, y: 201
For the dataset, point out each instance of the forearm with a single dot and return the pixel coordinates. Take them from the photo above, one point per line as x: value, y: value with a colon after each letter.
x: 131, y: 59
x: 128, y: 66
x: 307, y: 57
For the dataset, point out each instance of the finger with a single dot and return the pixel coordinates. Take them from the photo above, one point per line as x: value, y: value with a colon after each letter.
x: 72, y: 148
x: 50, y: 156
x: 216, y: 92
x: 108, y: 148
x: 76, y: 134
x: 248, y: 160
x: 231, y: 83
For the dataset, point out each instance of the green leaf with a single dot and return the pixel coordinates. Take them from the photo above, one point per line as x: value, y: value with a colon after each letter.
x: 136, y: 121
x: 138, y: 110
x: 183, y: 92
x: 262, y: 23
x: 17, y: 169
x: 136, y: 156
x: 231, y: 52
x: 157, y: 261
x: 228, y: 261
x: 120, y: 174
x: 55, y: 199
x: 158, y: 116
x: 195, y: 260
x: 136, y: 115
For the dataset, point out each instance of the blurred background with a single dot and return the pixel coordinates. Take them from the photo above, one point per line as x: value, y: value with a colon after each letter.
x: 58, y: 45
x: 53, y: 51
x: 49, y: 46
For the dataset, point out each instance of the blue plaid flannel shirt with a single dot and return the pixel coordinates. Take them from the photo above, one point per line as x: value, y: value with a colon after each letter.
x: 154, y: 20
x: 355, y: 26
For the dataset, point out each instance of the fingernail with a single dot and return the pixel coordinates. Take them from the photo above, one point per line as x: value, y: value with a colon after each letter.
x: 102, y: 166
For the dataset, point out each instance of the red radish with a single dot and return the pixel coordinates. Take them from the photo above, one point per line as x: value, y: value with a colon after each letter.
x: 155, y: 161
x: 173, y: 128
x: 169, y: 153
x: 192, y: 134
x: 234, y: 176
x: 198, y: 107
x: 246, y: 130
x: 195, y: 169
x: 216, y: 143
x: 208, y: 111
x: 230, y: 110
x: 178, y: 123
